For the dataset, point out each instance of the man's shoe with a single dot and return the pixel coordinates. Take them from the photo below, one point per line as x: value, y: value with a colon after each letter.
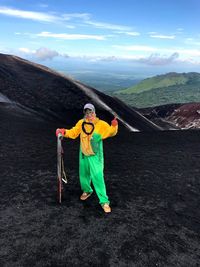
x: 106, y: 208
x: 85, y: 195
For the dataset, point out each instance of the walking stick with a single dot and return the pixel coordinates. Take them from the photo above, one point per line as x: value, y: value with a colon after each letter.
x: 61, y: 176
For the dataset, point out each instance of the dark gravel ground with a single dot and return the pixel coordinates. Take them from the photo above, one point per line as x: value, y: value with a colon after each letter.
x: 152, y: 181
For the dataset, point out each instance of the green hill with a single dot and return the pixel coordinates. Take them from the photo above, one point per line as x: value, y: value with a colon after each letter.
x: 163, y: 89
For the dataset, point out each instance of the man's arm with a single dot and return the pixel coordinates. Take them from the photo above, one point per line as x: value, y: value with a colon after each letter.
x: 72, y: 133
x: 107, y: 130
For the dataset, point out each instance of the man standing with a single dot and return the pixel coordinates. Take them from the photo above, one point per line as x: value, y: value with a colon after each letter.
x: 92, y: 131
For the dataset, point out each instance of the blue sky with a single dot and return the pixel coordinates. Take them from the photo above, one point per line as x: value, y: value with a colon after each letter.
x: 154, y: 34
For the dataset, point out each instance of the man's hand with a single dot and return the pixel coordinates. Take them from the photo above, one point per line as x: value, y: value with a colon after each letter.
x: 114, y: 122
x: 60, y: 131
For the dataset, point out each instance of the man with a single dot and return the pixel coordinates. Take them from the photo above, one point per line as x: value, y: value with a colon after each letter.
x: 92, y: 131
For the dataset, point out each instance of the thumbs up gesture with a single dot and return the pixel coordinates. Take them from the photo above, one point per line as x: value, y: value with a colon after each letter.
x: 114, y: 122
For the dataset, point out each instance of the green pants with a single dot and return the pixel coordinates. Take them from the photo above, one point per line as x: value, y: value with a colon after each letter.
x: 91, y: 171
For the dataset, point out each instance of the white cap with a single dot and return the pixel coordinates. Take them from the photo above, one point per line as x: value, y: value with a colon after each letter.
x: 89, y: 106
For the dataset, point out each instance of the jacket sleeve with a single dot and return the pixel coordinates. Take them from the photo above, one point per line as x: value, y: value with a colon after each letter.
x: 74, y: 132
x: 107, y: 130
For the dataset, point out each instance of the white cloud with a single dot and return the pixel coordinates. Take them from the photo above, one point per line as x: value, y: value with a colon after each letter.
x: 181, y: 56
x: 41, y: 53
x: 43, y: 17
x: 86, y: 17
x: 52, y: 17
x: 132, y: 33
x: 152, y: 33
x: 189, y: 52
x: 83, y: 16
x: 182, y: 52
x: 129, y: 33
x: 26, y: 50
x: 66, y: 36
x: 153, y: 59
x: 103, y: 58
x: 38, y: 16
x: 44, y: 53
x: 108, y: 26
x: 159, y: 36
x: 70, y: 26
x: 157, y: 59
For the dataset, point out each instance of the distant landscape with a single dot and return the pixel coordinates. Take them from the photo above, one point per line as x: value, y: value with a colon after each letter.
x: 163, y: 89
x: 107, y: 82
x: 146, y: 92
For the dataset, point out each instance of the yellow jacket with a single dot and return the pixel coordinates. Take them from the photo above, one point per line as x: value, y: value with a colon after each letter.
x: 102, y: 130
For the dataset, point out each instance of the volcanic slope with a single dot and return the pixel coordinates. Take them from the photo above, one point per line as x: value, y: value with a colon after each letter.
x: 152, y: 181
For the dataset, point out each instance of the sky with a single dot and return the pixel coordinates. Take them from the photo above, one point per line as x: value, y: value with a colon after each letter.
x: 143, y: 35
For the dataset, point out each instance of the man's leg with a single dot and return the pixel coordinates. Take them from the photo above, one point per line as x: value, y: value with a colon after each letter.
x: 96, y: 172
x: 84, y: 174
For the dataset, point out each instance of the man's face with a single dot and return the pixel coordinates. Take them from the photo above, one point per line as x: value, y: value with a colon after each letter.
x: 89, y: 114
